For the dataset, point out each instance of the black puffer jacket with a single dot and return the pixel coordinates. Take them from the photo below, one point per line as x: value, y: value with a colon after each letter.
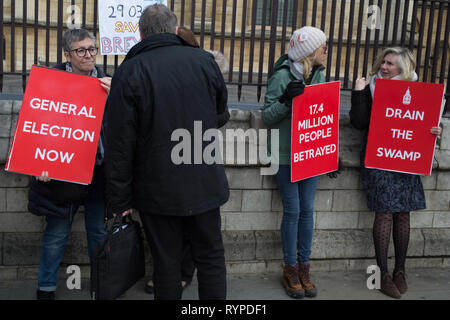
x: 163, y: 85
x: 360, y: 115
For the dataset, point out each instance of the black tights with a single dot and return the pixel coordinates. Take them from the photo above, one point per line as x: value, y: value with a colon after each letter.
x: 382, y: 234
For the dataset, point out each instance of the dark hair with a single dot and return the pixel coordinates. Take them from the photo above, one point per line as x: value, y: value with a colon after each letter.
x: 157, y: 18
x: 74, y: 35
x: 188, y: 36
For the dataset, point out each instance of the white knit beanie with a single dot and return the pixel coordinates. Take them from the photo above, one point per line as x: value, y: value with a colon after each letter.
x: 305, y: 41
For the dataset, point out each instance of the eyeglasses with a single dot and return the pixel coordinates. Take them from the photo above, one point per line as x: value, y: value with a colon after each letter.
x: 325, y: 48
x: 81, y: 52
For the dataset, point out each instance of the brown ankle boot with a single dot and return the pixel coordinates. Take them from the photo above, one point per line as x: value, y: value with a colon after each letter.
x: 399, y: 279
x: 388, y: 287
x: 305, y: 279
x: 291, y: 283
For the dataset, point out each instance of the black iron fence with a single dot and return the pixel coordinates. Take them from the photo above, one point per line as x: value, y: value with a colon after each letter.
x: 251, y: 33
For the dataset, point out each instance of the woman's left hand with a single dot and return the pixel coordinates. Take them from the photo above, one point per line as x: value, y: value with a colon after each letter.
x: 436, y: 131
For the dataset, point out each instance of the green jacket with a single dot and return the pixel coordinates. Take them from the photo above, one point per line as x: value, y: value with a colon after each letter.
x: 275, y: 114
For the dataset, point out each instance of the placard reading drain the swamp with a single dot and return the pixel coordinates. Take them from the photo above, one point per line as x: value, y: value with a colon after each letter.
x: 403, y: 112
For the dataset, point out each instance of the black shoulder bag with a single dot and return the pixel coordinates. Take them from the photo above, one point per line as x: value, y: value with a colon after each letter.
x: 118, y: 262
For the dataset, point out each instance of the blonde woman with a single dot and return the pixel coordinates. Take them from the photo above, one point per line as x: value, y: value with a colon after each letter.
x: 392, y: 195
x: 303, y: 65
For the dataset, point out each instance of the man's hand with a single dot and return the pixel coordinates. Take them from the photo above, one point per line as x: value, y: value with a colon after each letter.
x: 105, y: 82
x: 293, y: 89
x: 125, y: 213
x: 43, y: 177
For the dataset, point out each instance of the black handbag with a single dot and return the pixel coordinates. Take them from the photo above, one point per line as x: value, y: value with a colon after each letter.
x: 118, y: 261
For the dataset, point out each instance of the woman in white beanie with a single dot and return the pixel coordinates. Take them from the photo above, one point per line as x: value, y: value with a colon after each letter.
x: 392, y: 195
x: 303, y: 65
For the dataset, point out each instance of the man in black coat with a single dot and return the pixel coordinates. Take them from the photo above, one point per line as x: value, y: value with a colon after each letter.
x: 165, y: 91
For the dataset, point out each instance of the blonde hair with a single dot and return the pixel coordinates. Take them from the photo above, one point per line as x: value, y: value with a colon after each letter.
x: 221, y: 60
x: 405, y: 61
x: 307, y: 63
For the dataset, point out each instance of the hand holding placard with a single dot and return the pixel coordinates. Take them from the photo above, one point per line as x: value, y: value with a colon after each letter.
x: 293, y: 89
x: 436, y: 131
x: 43, y: 177
x: 105, y: 82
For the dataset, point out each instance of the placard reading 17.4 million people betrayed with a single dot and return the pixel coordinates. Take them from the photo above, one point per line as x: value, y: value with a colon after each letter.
x: 119, y: 24
x: 315, y: 131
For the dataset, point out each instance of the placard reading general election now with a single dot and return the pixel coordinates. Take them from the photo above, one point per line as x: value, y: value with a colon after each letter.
x: 119, y: 24
x: 315, y: 131
x: 58, y: 126
x: 403, y: 113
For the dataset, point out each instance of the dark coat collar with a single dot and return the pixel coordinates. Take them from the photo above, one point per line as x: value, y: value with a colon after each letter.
x: 154, y: 41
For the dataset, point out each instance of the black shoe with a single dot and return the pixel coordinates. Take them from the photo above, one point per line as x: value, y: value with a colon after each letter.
x: 388, y: 287
x: 45, y: 295
x: 399, y: 279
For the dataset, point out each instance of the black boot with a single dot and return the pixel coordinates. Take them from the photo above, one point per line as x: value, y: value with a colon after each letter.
x: 45, y: 295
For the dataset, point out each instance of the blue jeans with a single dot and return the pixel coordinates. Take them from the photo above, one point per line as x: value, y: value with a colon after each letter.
x: 57, y: 231
x: 298, y: 215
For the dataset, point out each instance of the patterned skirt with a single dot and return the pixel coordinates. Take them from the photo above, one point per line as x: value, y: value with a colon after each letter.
x: 391, y: 192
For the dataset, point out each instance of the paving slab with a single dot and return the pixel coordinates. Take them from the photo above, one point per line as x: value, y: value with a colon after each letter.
x: 424, y: 284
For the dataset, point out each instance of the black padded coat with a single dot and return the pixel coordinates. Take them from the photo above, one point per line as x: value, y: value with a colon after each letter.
x: 164, y: 85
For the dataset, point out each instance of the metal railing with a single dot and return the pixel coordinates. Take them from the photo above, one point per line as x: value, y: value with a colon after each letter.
x: 251, y: 33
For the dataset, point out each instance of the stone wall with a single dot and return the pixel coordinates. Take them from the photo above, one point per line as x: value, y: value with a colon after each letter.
x: 252, y: 216
x: 343, y: 223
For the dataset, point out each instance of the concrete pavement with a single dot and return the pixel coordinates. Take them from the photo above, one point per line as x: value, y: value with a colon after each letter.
x: 424, y: 284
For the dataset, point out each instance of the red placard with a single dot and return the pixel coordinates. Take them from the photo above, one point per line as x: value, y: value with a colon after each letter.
x: 315, y: 131
x: 58, y: 126
x: 403, y: 113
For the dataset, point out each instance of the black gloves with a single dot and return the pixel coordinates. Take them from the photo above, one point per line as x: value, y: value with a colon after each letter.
x: 334, y: 174
x: 293, y: 89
